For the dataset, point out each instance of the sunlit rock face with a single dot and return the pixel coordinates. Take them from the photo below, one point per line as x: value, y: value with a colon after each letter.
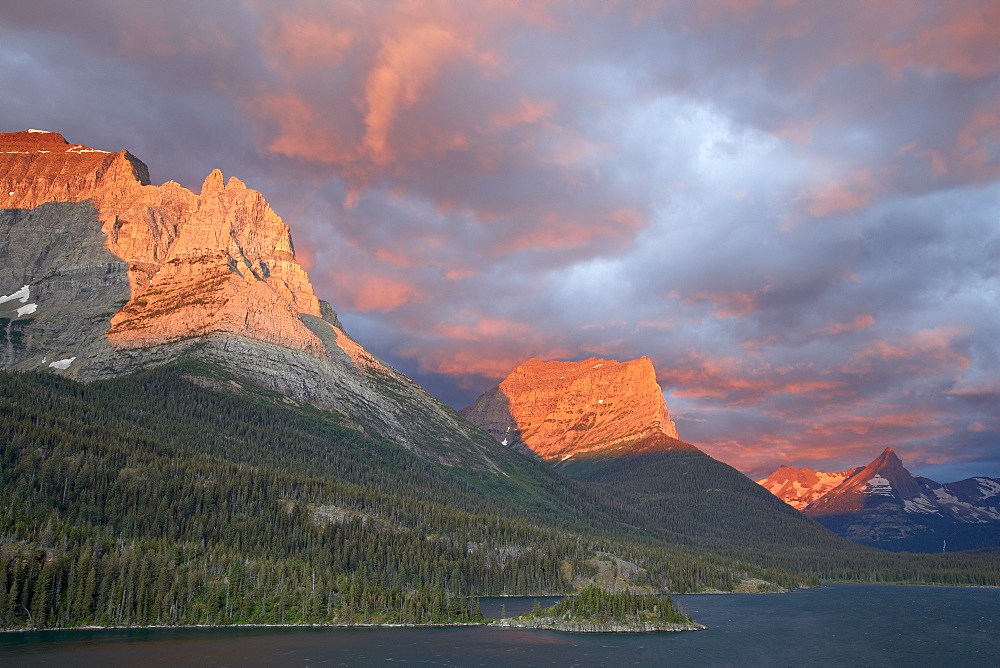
x: 800, y: 487
x: 561, y: 409
x: 218, y: 262
x: 221, y: 261
x: 103, y: 274
x: 38, y: 167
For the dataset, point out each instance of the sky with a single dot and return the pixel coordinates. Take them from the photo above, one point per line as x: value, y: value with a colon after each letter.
x: 792, y: 208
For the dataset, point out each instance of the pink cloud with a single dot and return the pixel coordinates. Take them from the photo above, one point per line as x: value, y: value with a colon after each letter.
x: 922, y: 352
x: 732, y: 305
x: 557, y: 230
x: 373, y: 292
x: 493, y: 359
x: 484, y: 329
x: 405, y: 65
x: 860, y: 323
x: 843, y: 196
x: 963, y: 38
x: 308, y: 40
x: 527, y: 112
x: 295, y: 130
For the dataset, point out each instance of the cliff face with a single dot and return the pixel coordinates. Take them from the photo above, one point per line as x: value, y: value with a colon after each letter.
x: 559, y: 409
x: 38, y: 167
x: 102, y: 273
x: 218, y: 262
x: 221, y: 261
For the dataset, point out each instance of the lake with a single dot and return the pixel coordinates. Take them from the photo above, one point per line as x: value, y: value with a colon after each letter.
x: 836, y: 625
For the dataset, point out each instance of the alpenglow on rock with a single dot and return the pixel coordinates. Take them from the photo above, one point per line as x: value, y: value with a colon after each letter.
x: 103, y: 274
x: 800, y: 487
x: 561, y: 409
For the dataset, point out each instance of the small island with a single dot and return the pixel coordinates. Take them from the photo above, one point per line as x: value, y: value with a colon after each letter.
x: 594, y: 610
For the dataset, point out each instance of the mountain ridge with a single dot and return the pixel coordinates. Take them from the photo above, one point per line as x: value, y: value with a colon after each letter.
x: 884, y: 505
x: 103, y: 274
x: 800, y: 487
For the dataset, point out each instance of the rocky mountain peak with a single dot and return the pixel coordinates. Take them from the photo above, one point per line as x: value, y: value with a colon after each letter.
x: 217, y: 263
x: 33, y: 140
x: 888, y: 459
x: 212, y: 183
x: 559, y: 409
x: 103, y: 274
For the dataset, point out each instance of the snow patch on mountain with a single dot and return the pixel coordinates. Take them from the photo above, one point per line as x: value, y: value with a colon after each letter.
x: 22, y: 295
x: 944, y: 497
x: 27, y: 309
x: 988, y: 488
x: 879, y: 485
x: 921, y: 504
x: 62, y: 364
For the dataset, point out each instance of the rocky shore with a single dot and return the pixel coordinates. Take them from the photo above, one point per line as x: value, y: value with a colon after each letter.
x: 596, y: 626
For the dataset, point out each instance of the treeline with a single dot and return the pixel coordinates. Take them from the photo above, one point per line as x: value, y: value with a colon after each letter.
x: 149, y: 500
x: 598, y: 605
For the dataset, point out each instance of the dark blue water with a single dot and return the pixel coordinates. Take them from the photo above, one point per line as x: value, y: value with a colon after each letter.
x: 838, y: 625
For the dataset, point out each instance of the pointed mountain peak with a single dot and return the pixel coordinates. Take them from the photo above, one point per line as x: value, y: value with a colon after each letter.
x: 213, y: 183
x: 885, y: 478
x: 887, y: 460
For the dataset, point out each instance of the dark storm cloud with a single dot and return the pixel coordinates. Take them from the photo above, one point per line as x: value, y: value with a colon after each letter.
x: 789, y: 206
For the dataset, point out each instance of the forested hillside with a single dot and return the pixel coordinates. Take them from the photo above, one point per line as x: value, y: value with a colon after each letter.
x: 185, y: 496
x: 692, y: 500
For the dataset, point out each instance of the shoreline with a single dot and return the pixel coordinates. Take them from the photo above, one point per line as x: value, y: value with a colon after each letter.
x: 497, y: 623
x: 301, y: 625
x: 552, y: 624
x: 506, y: 623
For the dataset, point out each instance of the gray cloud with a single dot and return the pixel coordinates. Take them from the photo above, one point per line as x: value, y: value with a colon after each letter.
x: 790, y: 208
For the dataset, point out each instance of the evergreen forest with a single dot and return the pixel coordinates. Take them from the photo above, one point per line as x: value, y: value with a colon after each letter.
x: 595, y: 605
x: 182, y: 495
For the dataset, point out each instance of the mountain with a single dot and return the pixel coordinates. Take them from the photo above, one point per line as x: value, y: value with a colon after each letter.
x: 800, y: 487
x: 186, y: 430
x: 188, y: 436
x: 606, y: 425
x: 561, y: 409
x: 103, y: 274
x: 884, y: 505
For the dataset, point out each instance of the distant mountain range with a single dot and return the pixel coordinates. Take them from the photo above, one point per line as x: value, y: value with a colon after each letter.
x: 884, y: 505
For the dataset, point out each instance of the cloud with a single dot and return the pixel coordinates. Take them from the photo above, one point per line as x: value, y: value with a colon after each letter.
x: 789, y: 207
